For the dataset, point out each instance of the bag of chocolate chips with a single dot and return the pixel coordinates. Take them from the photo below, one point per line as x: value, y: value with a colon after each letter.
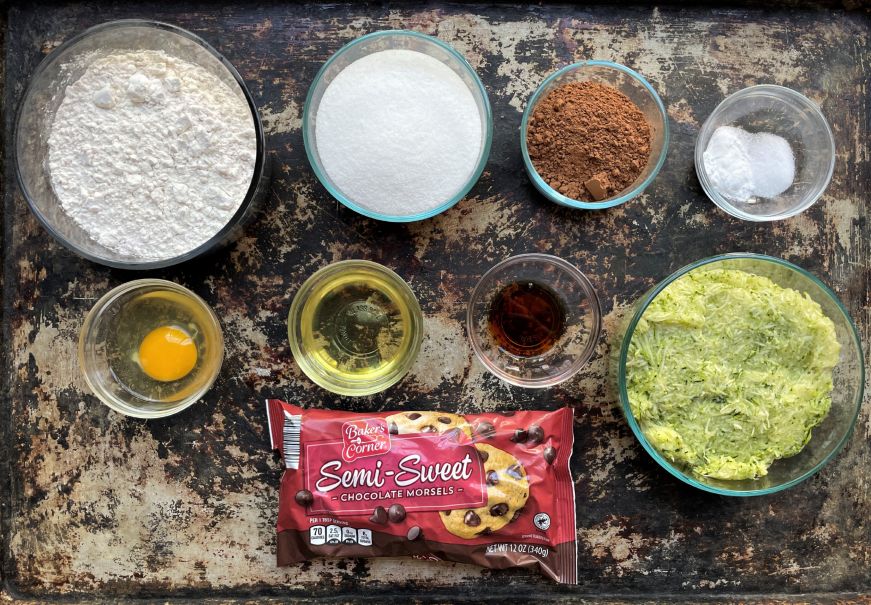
x: 493, y: 489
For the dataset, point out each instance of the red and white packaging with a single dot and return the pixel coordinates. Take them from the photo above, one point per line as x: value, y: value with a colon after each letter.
x: 493, y: 489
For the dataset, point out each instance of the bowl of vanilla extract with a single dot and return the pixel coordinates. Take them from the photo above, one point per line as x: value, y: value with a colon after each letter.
x: 534, y: 320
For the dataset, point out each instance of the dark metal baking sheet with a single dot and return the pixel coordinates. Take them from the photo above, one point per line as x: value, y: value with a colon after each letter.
x: 98, y: 506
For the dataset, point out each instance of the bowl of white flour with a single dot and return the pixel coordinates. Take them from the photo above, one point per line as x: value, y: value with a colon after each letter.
x: 138, y: 146
x: 397, y: 126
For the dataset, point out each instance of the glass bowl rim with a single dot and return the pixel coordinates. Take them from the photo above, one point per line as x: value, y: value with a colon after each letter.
x: 554, y: 195
x: 642, y: 306
x: 485, y: 148
x: 592, y: 340
x: 103, y: 303
x: 301, y: 297
x: 256, y: 176
x: 772, y: 91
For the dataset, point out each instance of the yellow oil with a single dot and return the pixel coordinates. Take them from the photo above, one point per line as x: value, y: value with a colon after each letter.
x: 138, y: 318
x: 356, y: 327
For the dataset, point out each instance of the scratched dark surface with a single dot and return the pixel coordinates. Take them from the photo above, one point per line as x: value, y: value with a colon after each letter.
x: 95, y: 505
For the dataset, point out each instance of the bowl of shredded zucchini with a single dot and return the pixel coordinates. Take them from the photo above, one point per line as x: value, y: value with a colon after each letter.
x: 740, y: 374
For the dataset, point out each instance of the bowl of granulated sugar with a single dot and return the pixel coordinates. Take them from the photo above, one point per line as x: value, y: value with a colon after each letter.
x: 137, y: 145
x: 397, y: 126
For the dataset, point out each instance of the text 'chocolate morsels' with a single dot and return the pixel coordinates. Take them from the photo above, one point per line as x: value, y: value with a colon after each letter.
x: 432, y: 485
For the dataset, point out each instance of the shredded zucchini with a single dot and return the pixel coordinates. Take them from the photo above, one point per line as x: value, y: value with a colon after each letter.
x: 728, y: 372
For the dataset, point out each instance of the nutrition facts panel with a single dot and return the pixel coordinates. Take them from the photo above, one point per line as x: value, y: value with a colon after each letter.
x: 333, y: 534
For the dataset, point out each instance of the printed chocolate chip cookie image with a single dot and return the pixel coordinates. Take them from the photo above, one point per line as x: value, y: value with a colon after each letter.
x: 406, y: 423
x: 507, y: 492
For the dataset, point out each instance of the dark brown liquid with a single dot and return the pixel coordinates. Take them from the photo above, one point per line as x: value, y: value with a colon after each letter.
x: 526, y: 319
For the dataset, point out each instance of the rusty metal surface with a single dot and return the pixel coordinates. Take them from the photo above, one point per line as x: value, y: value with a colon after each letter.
x: 95, y: 505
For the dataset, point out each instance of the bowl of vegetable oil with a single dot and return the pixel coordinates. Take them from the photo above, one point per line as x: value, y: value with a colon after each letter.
x: 150, y: 348
x: 355, y: 328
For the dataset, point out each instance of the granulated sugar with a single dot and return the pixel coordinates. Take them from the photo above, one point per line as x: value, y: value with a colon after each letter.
x: 743, y: 165
x: 398, y: 132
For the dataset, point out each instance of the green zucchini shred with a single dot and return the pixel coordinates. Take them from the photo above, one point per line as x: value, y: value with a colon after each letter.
x: 728, y: 372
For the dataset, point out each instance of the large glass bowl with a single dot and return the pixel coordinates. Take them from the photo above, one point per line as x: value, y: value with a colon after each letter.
x: 639, y: 91
x: 788, y: 114
x: 574, y: 347
x: 101, y: 325
x: 849, y: 378
x: 373, y: 43
x: 45, y: 94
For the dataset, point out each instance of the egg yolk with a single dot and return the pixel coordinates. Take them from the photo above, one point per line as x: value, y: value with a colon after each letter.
x: 167, y: 353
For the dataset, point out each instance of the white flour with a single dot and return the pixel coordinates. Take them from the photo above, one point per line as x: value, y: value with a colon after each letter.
x: 151, y: 155
x: 398, y: 132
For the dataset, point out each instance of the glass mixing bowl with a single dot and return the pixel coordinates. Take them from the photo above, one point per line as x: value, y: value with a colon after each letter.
x: 639, y: 91
x: 121, y: 311
x: 43, y: 98
x: 574, y: 346
x: 351, y: 343
x: 387, y: 40
x: 785, y: 113
x: 849, y: 378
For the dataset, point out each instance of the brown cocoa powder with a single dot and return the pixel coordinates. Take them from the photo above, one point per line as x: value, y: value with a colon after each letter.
x: 588, y: 141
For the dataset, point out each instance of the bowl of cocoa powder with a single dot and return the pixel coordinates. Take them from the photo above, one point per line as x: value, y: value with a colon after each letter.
x: 594, y: 135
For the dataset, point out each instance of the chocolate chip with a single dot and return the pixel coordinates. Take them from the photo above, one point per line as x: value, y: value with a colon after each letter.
x: 453, y: 434
x: 486, y: 531
x: 536, y: 434
x: 472, y: 519
x: 485, y: 429
x: 413, y: 533
x: 447, y: 513
x: 549, y: 454
x: 413, y: 416
x: 498, y: 510
x: 392, y: 428
x: 429, y: 429
x: 516, y: 514
x: 444, y: 420
x: 514, y: 471
x: 519, y: 436
x: 396, y: 513
x: 304, y: 497
x: 379, y: 516
x: 508, y: 413
x: 483, y: 455
x: 492, y: 477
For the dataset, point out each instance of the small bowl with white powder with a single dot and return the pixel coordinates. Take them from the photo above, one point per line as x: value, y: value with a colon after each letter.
x: 397, y: 126
x: 765, y: 153
x: 138, y: 146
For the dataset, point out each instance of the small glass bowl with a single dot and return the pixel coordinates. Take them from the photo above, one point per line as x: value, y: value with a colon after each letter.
x: 316, y: 289
x: 574, y: 347
x: 44, y: 95
x: 788, y: 114
x: 827, y: 439
x: 101, y: 325
x: 639, y: 91
x: 387, y: 40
